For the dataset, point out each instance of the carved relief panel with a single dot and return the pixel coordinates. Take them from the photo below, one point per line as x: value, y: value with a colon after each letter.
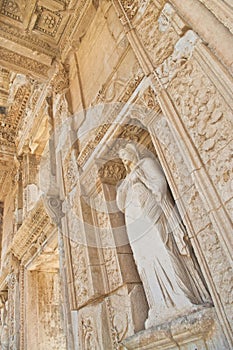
x: 105, y: 325
x: 207, y: 118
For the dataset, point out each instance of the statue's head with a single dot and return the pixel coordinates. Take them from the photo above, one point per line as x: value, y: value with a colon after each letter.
x: 129, y: 155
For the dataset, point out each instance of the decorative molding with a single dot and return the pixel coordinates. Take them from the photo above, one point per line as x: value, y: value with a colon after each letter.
x: 28, y: 40
x: 222, y: 10
x: 37, y: 223
x: 15, y: 61
x: 47, y: 22
x: 11, y: 9
x: 196, y: 326
x: 89, y: 148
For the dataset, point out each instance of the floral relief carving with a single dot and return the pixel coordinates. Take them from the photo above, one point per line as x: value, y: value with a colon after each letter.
x: 47, y: 21
x: 12, y: 282
x: 209, y: 243
x: 134, y: 9
x: 130, y: 7
x: 25, y: 63
x: 90, y: 337
x: 221, y: 273
x: 119, y: 323
x: 61, y: 110
x: 70, y: 171
x: 103, y: 228
x: 11, y: 9
x: 112, y: 267
x: 177, y: 165
x: 158, y: 40
x: 220, y: 168
x: 112, y: 172
x: 202, y: 108
x: 207, y: 118
x: 79, y: 264
x: 148, y: 99
x: 173, y: 64
x: 60, y: 82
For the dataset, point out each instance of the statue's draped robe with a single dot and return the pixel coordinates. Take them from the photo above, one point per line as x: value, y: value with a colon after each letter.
x: 164, y: 257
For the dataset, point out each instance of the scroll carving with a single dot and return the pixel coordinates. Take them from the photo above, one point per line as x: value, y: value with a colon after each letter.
x: 53, y: 205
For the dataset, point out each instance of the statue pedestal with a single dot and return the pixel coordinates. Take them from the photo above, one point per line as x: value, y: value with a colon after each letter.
x: 198, y: 330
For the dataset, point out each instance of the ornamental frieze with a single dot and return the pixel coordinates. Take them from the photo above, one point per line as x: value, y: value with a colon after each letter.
x: 36, y: 223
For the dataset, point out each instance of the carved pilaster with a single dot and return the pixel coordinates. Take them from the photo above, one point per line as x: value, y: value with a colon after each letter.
x: 13, y: 311
x: 22, y: 307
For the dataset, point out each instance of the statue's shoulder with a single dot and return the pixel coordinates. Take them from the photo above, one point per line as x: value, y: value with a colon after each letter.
x: 150, y: 168
x: 147, y: 163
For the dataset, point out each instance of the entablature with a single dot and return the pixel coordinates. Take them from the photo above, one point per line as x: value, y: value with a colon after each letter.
x: 34, y: 232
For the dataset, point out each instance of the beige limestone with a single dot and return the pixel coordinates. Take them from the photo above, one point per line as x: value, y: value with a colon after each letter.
x: 78, y: 81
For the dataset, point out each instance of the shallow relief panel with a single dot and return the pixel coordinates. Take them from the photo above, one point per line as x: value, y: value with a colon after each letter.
x: 207, y: 118
x: 105, y: 324
x: 202, y: 234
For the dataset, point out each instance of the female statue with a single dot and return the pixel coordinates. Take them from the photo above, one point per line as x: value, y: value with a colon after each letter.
x: 165, y: 260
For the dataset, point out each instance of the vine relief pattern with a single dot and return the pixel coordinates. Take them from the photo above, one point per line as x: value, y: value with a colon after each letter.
x: 207, y: 118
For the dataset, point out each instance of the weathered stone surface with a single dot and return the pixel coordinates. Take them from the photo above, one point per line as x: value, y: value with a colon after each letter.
x: 78, y: 81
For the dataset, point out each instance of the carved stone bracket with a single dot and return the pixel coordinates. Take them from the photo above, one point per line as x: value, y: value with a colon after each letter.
x: 60, y: 81
x: 53, y: 206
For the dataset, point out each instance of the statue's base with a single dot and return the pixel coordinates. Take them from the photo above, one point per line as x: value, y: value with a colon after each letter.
x: 197, y: 330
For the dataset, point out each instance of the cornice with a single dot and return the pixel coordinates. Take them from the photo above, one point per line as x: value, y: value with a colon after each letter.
x: 14, y: 61
x: 36, y: 226
x: 28, y: 40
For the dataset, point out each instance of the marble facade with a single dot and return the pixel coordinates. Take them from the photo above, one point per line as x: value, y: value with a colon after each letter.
x: 79, y: 81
